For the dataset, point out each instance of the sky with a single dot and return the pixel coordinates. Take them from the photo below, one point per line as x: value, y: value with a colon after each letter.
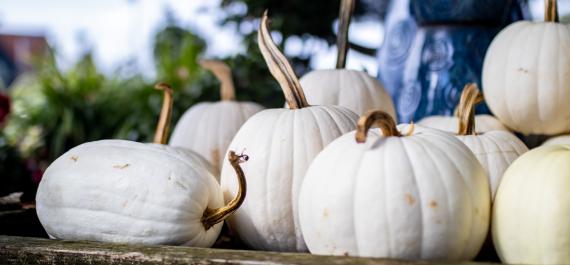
x: 119, y: 31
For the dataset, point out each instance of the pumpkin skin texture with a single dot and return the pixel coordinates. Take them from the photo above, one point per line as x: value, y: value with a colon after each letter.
x: 530, y: 214
x: 115, y: 191
x: 423, y: 196
x: 495, y: 150
x: 355, y: 90
x: 281, y: 143
x: 208, y: 128
x: 526, y: 73
x: 563, y: 139
x: 483, y: 123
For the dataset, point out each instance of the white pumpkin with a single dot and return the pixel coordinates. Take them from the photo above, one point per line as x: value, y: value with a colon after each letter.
x: 208, y: 127
x: 532, y: 207
x: 495, y: 150
x: 418, y: 196
x: 562, y: 139
x: 282, y: 143
x: 128, y: 192
x: 355, y: 90
x: 526, y: 76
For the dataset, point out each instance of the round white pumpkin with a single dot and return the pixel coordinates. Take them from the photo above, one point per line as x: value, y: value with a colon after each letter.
x: 355, y: 90
x: 282, y: 143
x: 208, y: 127
x: 562, y: 139
x: 526, y: 77
x: 532, y: 206
x: 496, y: 149
x: 419, y: 196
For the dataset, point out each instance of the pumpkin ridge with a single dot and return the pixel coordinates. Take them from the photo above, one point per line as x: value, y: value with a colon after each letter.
x: 466, y: 186
x: 270, y: 229
x: 429, y: 147
x: 420, y: 201
x: 465, y: 247
x: 457, y: 168
x: 354, y: 187
x: 294, y: 179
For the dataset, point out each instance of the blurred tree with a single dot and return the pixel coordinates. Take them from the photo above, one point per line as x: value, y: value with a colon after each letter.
x: 313, y: 19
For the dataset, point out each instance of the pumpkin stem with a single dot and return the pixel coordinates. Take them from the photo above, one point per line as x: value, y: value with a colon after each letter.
x: 344, y: 16
x: 214, y: 216
x: 280, y: 67
x: 470, y: 97
x: 382, y: 119
x: 224, y: 74
x: 161, y: 133
x: 550, y: 11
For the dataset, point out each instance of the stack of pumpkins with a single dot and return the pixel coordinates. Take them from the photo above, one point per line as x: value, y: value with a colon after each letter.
x: 320, y: 179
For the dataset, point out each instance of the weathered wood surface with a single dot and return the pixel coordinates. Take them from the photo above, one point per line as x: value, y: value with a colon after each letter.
x: 25, y: 250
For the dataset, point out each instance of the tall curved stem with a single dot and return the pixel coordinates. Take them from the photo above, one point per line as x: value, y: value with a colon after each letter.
x: 224, y: 74
x: 344, y: 16
x: 161, y: 133
x: 280, y: 67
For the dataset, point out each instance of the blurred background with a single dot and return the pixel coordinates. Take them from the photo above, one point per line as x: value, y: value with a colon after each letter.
x: 77, y: 71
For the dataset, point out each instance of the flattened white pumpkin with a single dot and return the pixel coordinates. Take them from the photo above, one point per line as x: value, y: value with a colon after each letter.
x: 123, y: 191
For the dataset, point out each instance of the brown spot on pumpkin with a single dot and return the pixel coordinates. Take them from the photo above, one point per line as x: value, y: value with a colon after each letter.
x: 215, y: 158
x: 476, y: 210
x: 432, y: 204
x: 74, y: 158
x: 121, y: 166
x: 410, y: 199
x: 326, y: 212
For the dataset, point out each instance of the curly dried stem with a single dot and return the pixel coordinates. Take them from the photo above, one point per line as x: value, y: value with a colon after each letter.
x: 470, y: 97
x: 280, y: 67
x: 213, y: 216
x: 224, y: 74
x: 344, y: 16
x: 382, y: 119
x: 550, y: 11
x: 161, y: 133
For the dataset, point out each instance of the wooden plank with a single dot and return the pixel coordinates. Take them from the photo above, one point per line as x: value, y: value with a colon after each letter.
x: 25, y: 250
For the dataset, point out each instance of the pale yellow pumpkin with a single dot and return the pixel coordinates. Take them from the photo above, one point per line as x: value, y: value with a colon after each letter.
x: 530, y: 215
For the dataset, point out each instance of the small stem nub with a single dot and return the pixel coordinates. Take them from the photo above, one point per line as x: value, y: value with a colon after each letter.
x: 161, y: 133
x: 344, y: 16
x: 382, y: 119
x: 214, y: 216
x: 550, y: 11
x: 470, y: 97
x: 224, y: 74
x: 280, y: 67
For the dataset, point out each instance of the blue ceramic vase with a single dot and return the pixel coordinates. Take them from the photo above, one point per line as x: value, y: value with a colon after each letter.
x: 432, y: 48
